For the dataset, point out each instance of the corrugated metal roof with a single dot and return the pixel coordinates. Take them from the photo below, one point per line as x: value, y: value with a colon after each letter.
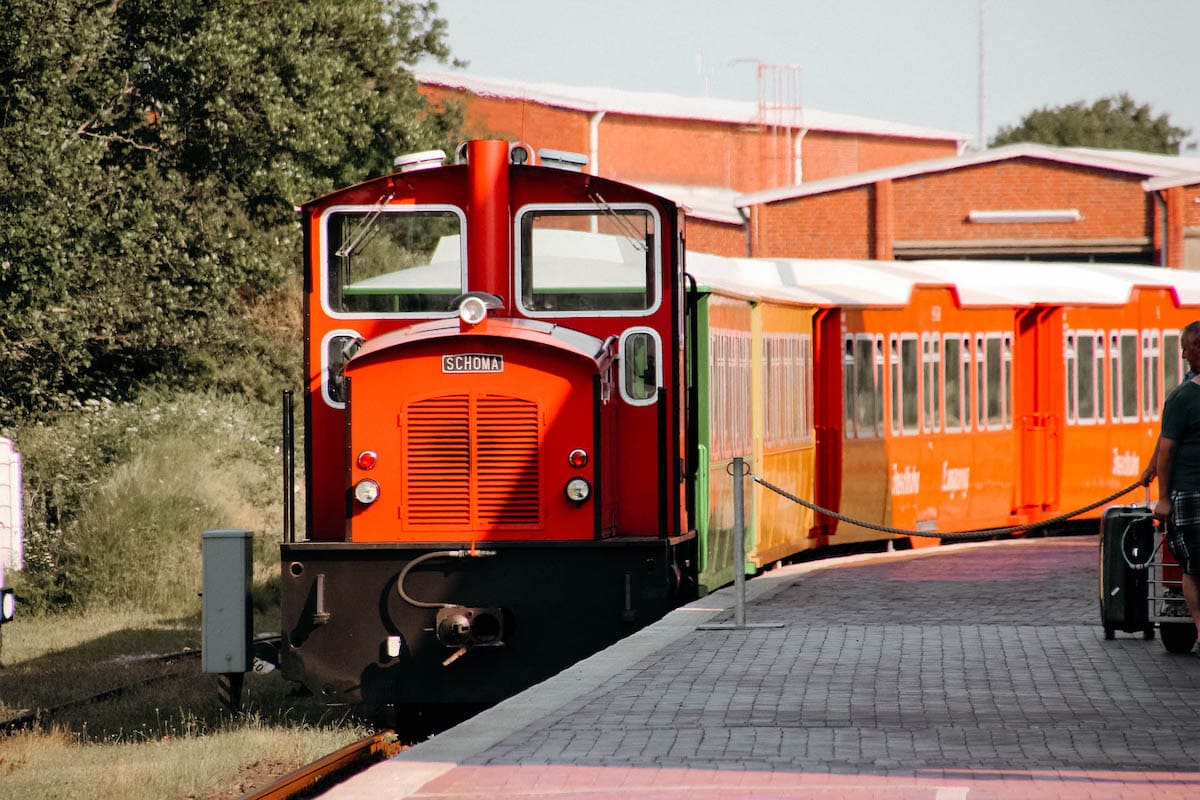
x: 657, y: 104
x: 1167, y: 182
x: 1149, y: 165
x: 701, y: 202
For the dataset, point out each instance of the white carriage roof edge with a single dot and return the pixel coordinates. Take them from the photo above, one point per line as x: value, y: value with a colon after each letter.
x: 976, y: 284
x: 657, y: 104
x: 1162, y: 168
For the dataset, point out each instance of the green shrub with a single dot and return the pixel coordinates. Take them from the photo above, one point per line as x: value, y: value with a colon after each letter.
x: 117, y: 496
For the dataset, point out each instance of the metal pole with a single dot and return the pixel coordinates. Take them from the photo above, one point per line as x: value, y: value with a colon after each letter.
x: 738, y: 470
x: 289, y: 470
x: 739, y: 542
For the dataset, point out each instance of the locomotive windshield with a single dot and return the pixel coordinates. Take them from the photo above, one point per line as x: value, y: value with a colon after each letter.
x: 393, y: 261
x: 595, y: 258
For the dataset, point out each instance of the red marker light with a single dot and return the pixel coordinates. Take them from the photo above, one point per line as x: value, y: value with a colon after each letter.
x: 578, y: 458
x: 367, y: 459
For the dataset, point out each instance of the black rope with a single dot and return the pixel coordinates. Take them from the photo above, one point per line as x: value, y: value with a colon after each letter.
x: 981, y: 533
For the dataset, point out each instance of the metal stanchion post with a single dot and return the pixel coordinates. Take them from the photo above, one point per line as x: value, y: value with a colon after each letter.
x: 739, y: 472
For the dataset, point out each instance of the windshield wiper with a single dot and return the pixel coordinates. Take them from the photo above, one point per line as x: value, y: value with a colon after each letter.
x: 365, y: 228
x: 627, y: 228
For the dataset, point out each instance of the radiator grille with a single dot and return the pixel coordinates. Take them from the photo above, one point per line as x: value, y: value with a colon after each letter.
x: 472, y: 461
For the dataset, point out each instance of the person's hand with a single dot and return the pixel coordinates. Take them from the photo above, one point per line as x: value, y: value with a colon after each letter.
x: 1162, y: 509
x: 1148, y: 474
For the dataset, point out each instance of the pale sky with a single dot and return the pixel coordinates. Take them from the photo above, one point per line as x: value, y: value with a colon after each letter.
x: 914, y: 61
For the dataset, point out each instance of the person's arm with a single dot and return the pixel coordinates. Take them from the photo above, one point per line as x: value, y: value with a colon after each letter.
x: 1166, y: 448
x: 1151, y: 470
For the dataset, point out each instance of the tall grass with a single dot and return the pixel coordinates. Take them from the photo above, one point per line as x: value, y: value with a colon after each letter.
x: 118, y: 496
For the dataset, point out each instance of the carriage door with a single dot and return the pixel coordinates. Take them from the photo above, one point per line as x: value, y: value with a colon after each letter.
x: 1038, y: 401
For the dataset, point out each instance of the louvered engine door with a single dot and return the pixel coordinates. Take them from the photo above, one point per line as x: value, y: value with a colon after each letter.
x: 471, y: 464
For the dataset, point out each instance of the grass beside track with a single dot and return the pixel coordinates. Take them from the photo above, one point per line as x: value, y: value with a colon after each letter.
x: 170, y: 738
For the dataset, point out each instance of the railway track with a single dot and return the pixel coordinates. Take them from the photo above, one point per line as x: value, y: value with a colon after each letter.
x: 327, y: 771
x: 30, y: 717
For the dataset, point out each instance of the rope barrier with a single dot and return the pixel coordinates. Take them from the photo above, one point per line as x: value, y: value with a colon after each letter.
x: 980, y: 533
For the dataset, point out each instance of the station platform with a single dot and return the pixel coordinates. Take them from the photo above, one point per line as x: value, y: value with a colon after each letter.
x: 962, y: 671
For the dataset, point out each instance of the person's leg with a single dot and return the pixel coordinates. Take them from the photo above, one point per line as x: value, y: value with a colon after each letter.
x: 1191, y: 593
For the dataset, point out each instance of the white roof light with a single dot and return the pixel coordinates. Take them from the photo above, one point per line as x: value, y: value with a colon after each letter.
x: 562, y: 159
x: 1027, y: 215
x: 426, y: 159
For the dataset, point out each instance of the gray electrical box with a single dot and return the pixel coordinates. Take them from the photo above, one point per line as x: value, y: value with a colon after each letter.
x: 228, y: 565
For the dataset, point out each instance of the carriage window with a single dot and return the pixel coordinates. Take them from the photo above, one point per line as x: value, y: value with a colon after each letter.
x: 787, y: 393
x: 1087, y: 368
x: 979, y: 401
x: 592, y: 258
x: 849, y: 390
x: 1006, y: 381
x: 1171, y: 360
x: 806, y: 388
x: 385, y: 261
x: 909, y: 377
x: 866, y: 365
x: 955, y: 386
x: 1150, y: 384
x: 995, y: 382
x: 931, y: 365
x: 1123, y: 357
x: 905, y: 408
x: 729, y: 378
x: 1071, y: 372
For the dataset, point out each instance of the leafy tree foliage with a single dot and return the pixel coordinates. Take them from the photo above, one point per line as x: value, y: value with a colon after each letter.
x: 151, y: 153
x: 1116, y: 122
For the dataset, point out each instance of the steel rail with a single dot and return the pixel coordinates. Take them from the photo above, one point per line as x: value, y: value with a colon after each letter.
x: 350, y: 759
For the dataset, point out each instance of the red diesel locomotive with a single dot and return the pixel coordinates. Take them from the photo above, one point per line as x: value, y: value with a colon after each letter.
x: 495, y: 473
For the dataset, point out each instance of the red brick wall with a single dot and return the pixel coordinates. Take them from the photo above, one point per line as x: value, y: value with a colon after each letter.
x: 935, y: 206
x: 691, y: 152
x: 828, y: 155
x: 705, y: 236
x: 830, y: 225
x: 1191, y: 206
x: 532, y: 123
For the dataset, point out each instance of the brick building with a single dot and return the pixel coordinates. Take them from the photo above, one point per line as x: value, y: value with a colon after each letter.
x: 1021, y: 201
x: 699, y: 151
x: 773, y: 179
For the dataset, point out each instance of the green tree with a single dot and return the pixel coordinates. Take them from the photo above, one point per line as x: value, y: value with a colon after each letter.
x: 151, y: 153
x: 1116, y: 122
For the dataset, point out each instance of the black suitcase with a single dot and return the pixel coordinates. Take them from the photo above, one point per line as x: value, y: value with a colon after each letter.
x: 1126, y: 545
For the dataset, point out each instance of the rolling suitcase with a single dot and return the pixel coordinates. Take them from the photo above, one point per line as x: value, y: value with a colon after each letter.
x: 1126, y: 545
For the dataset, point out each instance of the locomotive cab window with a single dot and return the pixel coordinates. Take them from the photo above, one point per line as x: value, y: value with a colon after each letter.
x: 641, y: 366
x: 600, y: 259
x: 381, y: 261
x: 338, y: 348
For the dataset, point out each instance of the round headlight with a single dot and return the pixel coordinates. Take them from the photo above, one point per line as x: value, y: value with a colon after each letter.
x: 472, y: 310
x: 8, y: 606
x: 366, y: 491
x: 578, y: 490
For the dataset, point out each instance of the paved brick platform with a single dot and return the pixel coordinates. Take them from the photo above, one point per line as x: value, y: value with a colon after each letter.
x: 968, y: 671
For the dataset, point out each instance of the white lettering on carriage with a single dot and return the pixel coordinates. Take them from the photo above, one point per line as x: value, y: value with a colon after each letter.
x: 472, y: 362
x: 906, y: 482
x: 1126, y: 463
x: 957, y: 479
